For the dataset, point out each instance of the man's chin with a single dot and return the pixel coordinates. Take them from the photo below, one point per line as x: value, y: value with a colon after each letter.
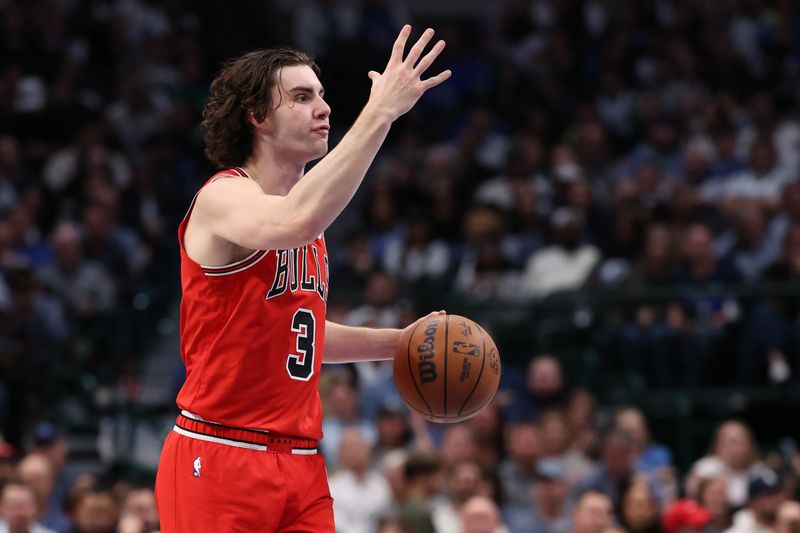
x: 318, y: 154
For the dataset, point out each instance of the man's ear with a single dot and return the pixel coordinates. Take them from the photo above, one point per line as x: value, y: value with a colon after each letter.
x: 264, y: 126
x: 251, y: 118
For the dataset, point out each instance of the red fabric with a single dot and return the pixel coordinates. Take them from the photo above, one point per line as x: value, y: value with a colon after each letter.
x: 236, y: 342
x: 684, y: 513
x: 275, y: 442
x: 239, y: 490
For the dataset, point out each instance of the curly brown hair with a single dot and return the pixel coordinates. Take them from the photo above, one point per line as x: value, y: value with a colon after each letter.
x: 244, y: 85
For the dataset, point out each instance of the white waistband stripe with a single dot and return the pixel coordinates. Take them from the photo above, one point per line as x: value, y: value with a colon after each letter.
x: 219, y: 440
x: 199, y: 418
x: 302, y: 451
x: 236, y: 443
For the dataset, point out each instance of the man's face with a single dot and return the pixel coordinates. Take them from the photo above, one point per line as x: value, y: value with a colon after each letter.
x: 18, y: 507
x: 297, y: 124
x: 593, y: 514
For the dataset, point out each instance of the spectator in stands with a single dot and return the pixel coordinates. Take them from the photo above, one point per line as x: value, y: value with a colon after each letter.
x: 422, y: 475
x: 465, y: 481
x: 712, y: 495
x: 393, y: 431
x: 36, y: 472
x: 652, y: 459
x: 18, y: 509
x: 582, y: 414
x: 90, y: 157
x: 558, y: 443
x: 84, y: 285
x: 137, y: 114
x: 139, y: 513
x: 341, y: 400
x: 527, y: 225
x: 50, y: 442
x: 550, y: 510
x: 517, y: 472
x: 620, y: 251
x: 750, y: 247
x: 788, y: 519
x: 593, y: 513
x: 656, y: 264
x: 108, y: 243
x: 545, y: 388
x: 95, y: 512
x: 764, y: 498
x: 487, y: 429
x: 480, y: 515
x: 614, y: 472
x: 360, y: 495
x: 380, y: 309
x: 700, y: 264
x: 458, y: 445
x: 483, y: 270
x: 640, y: 510
x: 392, y: 468
x: 566, y: 264
x: 734, y: 457
x: 382, y: 219
x: 763, y: 181
x: 26, y: 236
x: 353, y: 265
x: 415, y: 256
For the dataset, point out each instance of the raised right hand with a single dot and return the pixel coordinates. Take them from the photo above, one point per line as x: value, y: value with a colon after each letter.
x: 398, y: 88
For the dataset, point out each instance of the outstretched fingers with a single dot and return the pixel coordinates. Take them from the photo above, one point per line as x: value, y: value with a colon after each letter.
x: 400, y: 45
x: 436, y: 80
x: 419, y: 46
x: 429, y: 58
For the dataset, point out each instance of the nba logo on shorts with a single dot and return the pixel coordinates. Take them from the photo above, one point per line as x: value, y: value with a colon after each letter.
x: 197, y: 467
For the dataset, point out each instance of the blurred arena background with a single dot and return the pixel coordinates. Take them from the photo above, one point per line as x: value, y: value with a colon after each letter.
x: 611, y: 187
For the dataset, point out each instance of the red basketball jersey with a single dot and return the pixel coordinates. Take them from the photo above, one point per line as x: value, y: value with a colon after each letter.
x: 252, y: 336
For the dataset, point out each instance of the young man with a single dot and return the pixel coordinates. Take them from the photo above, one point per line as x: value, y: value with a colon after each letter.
x: 254, y: 273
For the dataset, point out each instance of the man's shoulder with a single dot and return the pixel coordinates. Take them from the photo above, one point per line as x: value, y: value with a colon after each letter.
x: 225, y: 179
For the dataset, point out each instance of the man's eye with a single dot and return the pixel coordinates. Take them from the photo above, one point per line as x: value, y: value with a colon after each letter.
x: 300, y: 98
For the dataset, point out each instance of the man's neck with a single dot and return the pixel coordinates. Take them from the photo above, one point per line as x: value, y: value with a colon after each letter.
x: 275, y: 174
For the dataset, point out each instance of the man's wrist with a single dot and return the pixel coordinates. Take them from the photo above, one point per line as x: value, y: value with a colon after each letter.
x: 375, y: 114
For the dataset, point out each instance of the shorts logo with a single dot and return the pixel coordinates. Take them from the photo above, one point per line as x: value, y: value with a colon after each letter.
x: 197, y: 467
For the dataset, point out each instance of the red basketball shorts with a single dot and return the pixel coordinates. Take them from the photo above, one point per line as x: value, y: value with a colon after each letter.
x: 213, y: 479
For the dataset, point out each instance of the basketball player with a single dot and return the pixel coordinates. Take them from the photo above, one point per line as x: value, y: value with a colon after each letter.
x: 254, y: 273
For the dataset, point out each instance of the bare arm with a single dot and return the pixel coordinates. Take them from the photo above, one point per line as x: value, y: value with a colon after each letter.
x: 237, y: 211
x: 347, y: 344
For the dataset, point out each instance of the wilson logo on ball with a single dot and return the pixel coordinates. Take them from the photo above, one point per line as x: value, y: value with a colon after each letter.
x: 427, y: 352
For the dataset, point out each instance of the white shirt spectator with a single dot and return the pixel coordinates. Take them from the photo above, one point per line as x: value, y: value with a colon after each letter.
x: 358, y: 504
x: 767, y: 187
x: 745, y: 522
x: 555, y: 268
x: 413, y: 263
x: 737, y: 481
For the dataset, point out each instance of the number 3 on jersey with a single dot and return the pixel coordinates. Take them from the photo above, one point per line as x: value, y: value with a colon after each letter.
x: 301, y: 365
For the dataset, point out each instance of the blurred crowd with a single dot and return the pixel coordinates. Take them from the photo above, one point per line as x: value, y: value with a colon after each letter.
x: 543, y: 458
x: 584, y: 147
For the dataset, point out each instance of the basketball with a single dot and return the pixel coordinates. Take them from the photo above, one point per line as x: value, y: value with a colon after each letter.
x: 447, y: 368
